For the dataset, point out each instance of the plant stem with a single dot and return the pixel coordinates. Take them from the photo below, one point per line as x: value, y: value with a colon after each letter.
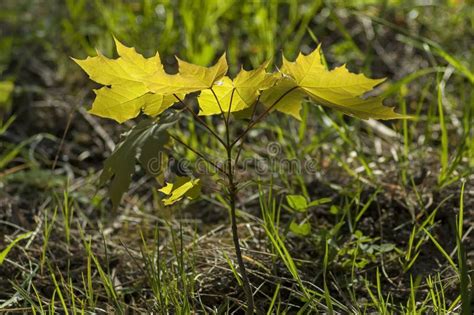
x: 229, y: 171
x: 232, y: 198
x: 235, y: 235
x: 261, y: 116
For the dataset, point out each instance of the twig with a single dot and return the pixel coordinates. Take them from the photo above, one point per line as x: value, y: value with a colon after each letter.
x: 198, y: 154
x: 199, y: 119
x: 259, y: 118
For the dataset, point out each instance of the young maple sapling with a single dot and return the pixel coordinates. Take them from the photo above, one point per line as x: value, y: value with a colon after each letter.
x: 135, y: 85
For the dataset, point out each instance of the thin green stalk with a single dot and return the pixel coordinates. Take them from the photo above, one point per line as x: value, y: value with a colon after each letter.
x: 199, y: 119
x: 235, y: 236
x: 232, y: 194
x: 444, y: 134
x: 261, y: 116
x: 198, y: 154
x: 239, y: 151
x: 406, y: 148
x: 226, y: 120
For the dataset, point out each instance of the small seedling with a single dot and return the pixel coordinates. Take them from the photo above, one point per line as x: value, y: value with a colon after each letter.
x: 135, y: 85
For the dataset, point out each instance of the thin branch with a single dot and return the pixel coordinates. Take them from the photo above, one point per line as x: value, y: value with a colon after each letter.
x: 199, y: 154
x: 200, y: 120
x: 232, y: 194
x: 251, y: 119
x: 220, y: 107
x: 259, y: 118
x: 230, y: 106
x: 227, y: 121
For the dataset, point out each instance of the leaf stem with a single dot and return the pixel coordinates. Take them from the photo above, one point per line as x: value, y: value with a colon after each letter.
x: 220, y: 169
x: 230, y: 105
x: 220, y: 107
x: 251, y: 119
x: 261, y: 116
x: 229, y: 148
x: 200, y: 120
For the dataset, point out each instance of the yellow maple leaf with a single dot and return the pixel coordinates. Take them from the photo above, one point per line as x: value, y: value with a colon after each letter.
x: 338, y: 88
x: 243, y: 91
x: 127, y: 94
x: 130, y: 67
x: 182, y: 187
x: 190, y: 78
x: 287, y: 96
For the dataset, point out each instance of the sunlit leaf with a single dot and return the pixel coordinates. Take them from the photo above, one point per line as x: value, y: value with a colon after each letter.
x: 124, y: 104
x: 125, y: 93
x: 287, y: 97
x: 190, y: 78
x: 338, y: 88
x: 243, y: 90
x: 129, y: 68
x: 182, y: 187
x: 224, y: 89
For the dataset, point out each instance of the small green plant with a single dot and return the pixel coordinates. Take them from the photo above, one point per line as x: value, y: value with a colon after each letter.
x: 135, y: 85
